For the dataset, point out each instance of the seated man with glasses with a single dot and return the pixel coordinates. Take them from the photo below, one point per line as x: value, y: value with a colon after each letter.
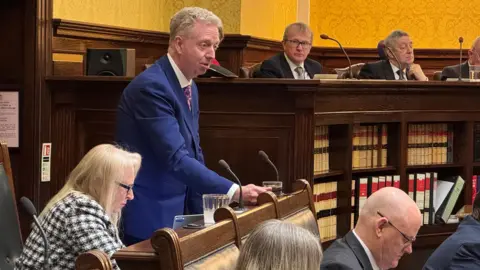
x: 293, y: 62
x: 399, y: 64
x: 462, y: 249
x: 386, y: 228
x: 464, y: 68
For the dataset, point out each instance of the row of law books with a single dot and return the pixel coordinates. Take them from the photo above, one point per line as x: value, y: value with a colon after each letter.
x: 363, y: 187
x: 369, y: 146
x: 434, y: 198
x: 430, y: 144
x: 325, y: 201
x: 321, y: 149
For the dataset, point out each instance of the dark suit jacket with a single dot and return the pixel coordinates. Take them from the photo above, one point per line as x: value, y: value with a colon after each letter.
x: 154, y: 120
x: 346, y: 254
x: 459, y: 251
x: 380, y: 70
x: 453, y: 71
x: 277, y: 67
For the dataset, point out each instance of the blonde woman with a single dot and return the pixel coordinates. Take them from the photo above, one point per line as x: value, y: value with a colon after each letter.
x: 84, y: 214
x: 280, y: 245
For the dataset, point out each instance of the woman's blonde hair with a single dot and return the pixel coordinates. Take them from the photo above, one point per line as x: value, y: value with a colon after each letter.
x: 280, y: 245
x: 96, y: 175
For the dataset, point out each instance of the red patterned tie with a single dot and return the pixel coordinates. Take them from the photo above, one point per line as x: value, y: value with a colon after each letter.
x: 188, y: 94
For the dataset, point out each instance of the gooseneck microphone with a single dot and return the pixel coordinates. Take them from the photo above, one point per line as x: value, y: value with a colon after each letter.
x: 225, y: 165
x: 265, y: 157
x: 400, y: 66
x: 323, y: 36
x: 28, y: 206
x: 460, y: 40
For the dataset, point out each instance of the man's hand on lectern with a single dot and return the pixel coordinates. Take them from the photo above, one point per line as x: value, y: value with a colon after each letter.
x: 250, y: 193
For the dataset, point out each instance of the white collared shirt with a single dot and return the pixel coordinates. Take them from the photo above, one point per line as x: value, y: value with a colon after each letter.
x: 181, y: 78
x: 294, y: 66
x: 395, y: 69
x: 369, y: 254
x: 184, y: 83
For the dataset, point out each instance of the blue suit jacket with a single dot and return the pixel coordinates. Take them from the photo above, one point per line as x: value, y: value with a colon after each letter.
x: 154, y: 120
x: 459, y: 251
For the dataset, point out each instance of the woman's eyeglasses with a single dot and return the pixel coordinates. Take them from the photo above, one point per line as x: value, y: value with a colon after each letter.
x: 127, y: 187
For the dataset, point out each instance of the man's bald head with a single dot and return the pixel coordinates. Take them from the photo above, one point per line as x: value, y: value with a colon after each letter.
x: 388, y: 223
x: 391, y: 202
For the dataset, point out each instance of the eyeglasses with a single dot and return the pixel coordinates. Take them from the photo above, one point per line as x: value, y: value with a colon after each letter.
x: 127, y: 187
x: 407, y: 238
x: 295, y: 43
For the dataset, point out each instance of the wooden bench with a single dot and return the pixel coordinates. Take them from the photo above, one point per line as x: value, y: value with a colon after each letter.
x: 215, y: 247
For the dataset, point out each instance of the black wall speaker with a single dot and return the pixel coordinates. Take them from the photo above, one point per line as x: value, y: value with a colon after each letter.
x: 110, y: 62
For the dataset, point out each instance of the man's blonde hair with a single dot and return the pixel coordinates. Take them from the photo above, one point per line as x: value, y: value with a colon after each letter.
x: 280, y: 245
x: 184, y: 21
x: 96, y: 176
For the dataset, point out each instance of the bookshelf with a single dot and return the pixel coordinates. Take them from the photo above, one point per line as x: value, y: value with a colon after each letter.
x: 401, y: 141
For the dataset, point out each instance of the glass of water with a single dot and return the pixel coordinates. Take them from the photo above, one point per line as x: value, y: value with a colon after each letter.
x: 474, y: 73
x: 212, y: 202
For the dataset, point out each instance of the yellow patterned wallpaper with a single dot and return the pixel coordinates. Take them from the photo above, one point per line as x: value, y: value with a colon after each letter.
x: 361, y: 24
x: 143, y: 14
x: 260, y: 18
x: 267, y: 18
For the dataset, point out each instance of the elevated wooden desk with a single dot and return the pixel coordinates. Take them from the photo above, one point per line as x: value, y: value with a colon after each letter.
x: 241, y: 116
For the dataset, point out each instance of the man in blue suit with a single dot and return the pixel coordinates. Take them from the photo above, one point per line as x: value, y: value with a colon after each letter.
x: 462, y: 249
x: 158, y: 118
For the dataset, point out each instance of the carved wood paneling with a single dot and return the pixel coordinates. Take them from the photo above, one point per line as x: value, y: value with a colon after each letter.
x: 64, y: 147
x: 235, y: 50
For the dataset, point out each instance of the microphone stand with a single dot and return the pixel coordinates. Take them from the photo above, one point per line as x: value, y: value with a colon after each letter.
x: 265, y: 157
x: 241, y: 208
x: 400, y: 66
x: 30, y: 208
x: 460, y: 40
x: 323, y: 36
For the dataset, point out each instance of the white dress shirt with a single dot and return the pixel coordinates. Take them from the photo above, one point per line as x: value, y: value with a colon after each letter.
x: 184, y: 83
x: 395, y: 69
x: 369, y: 254
x: 294, y: 66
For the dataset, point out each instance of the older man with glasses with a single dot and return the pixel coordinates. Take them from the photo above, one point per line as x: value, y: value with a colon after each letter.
x: 399, y: 64
x: 463, y: 69
x: 293, y: 62
x: 387, y: 226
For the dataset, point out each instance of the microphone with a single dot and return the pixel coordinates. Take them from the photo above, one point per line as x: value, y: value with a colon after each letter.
x: 460, y: 40
x: 225, y: 165
x: 28, y: 206
x: 264, y: 156
x: 398, y: 62
x: 323, y: 36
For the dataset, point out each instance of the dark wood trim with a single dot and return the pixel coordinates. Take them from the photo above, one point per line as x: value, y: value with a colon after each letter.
x: 74, y: 29
x: 43, y: 65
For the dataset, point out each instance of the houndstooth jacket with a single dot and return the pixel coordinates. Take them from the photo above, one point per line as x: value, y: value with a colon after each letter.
x: 74, y: 225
